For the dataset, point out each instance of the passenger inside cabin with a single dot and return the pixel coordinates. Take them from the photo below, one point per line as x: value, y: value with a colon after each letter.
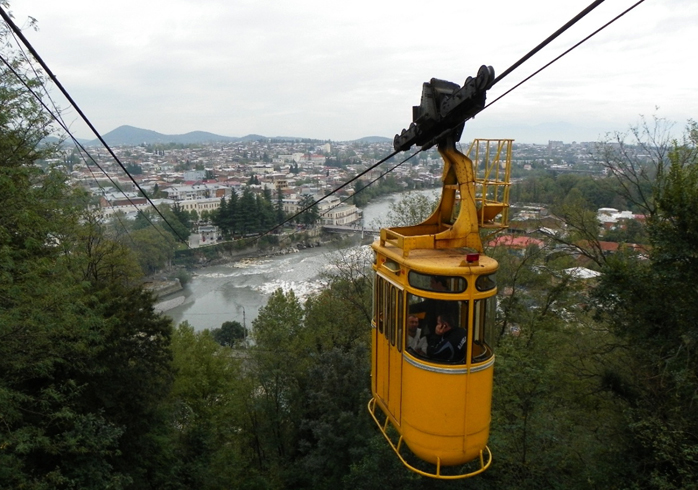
x: 416, y: 342
x: 432, y: 307
x: 450, y: 344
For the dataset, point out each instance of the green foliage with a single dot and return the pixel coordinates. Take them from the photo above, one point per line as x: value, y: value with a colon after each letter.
x: 651, y: 306
x: 364, y: 192
x: 144, y: 219
x: 248, y: 214
x: 410, y: 209
x: 207, y: 412
x: 179, y: 219
x: 84, y: 361
x: 311, y: 215
x: 229, y: 334
x: 555, y: 189
x: 154, y: 248
x: 333, y: 424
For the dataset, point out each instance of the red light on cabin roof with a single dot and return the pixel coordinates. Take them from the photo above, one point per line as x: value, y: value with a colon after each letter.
x: 472, y: 258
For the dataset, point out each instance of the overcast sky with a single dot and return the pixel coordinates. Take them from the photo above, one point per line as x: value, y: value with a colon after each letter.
x: 344, y: 70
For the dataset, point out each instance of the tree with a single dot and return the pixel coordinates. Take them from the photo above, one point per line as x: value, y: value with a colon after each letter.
x: 175, y: 223
x: 144, y: 219
x: 266, y: 210
x: 277, y: 370
x: 220, y: 216
x: 229, y: 334
x: 411, y: 209
x: 249, y: 218
x: 235, y: 214
x: 279, y: 208
x: 158, y: 193
x: 333, y: 427
x: 84, y: 361
x: 311, y: 215
x: 358, y: 198
x: 650, y: 305
x: 207, y: 411
x: 154, y: 248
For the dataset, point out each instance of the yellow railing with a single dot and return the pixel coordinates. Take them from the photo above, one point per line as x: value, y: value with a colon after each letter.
x: 437, y: 473
x: 492, y: 161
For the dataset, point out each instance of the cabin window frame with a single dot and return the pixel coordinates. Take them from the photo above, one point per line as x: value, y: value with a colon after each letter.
x: 483, y: 328
x: 486, y: 282
x: 454, y: 284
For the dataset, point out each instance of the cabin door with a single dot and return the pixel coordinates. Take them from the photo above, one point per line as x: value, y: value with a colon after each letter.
x: 388, y: 352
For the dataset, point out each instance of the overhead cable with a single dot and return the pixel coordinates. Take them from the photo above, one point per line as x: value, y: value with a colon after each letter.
x: 566, y: 52
x: 65, y: 93
x: 61, y: 123
x: 549, y: 39
x: 328, y: 195
x: 535, y: 50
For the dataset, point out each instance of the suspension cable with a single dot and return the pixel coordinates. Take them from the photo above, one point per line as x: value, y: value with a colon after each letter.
x: 56, y: 114
x: 79, y: 145
x: 549, y: 39
x: 65, y: 93
x: 535, y: 50
x: 328, y: 195
x: 566, y: 52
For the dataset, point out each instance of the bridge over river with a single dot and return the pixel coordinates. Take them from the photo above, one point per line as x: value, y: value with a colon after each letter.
x: 350, y: 229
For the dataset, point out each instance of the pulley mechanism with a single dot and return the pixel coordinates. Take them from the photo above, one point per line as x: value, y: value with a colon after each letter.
x: 443, y: 110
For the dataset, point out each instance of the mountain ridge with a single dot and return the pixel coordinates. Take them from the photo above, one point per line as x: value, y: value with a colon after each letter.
x: 132, y: 136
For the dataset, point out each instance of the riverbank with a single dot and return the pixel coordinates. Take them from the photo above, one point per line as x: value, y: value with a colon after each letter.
x: 235, y: 284
x: 173, y: 294
x: 222, y: 252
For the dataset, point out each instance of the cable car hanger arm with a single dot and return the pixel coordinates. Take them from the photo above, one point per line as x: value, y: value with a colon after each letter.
x: 443, y: 110
x: 445, y: 107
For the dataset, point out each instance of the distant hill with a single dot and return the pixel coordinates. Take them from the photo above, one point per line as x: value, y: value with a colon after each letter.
x: 132, y: 136
x: 374, y: 139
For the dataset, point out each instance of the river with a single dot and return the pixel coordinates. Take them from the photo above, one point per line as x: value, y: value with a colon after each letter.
x: 236, y: 291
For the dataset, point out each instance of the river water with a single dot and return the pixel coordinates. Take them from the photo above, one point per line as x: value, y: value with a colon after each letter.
x: 237, y: 290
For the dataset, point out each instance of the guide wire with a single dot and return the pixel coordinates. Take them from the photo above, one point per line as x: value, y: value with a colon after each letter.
x: 56, y: 115
x: 35, y: 54
x: 522, y: 60
x: 61, y: 123
x: 548, y: 40
x: 328, y: 195
x: 566, y: 52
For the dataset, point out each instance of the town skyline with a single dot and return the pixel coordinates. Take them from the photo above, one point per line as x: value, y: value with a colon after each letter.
x: 356, y: 69
x: 127, y: 135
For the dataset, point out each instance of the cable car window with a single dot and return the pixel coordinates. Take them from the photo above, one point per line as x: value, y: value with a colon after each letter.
x: 483, y: 325
x: 445, y: 344
x: 400, y: 320
x: 387, y: 317
x: 485, y: 283
x: 393, y: 306
x: 439, y: 284
x: 374, y: 302
x: 378, y: 288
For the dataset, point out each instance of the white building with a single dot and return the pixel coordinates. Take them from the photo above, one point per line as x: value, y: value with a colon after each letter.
x: 335, y: 213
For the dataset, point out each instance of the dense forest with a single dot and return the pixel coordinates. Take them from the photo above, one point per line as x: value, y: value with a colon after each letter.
x: 596, y: 384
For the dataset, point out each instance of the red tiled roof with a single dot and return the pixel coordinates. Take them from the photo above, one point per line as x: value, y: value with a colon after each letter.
x: 515, y: 241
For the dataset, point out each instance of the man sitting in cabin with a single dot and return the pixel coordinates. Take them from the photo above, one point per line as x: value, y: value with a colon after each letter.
x: 451, y: 340
x: 432, y: 307
x: 416, y: 343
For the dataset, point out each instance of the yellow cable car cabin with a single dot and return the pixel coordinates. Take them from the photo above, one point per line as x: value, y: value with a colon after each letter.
x: 433, y: 313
